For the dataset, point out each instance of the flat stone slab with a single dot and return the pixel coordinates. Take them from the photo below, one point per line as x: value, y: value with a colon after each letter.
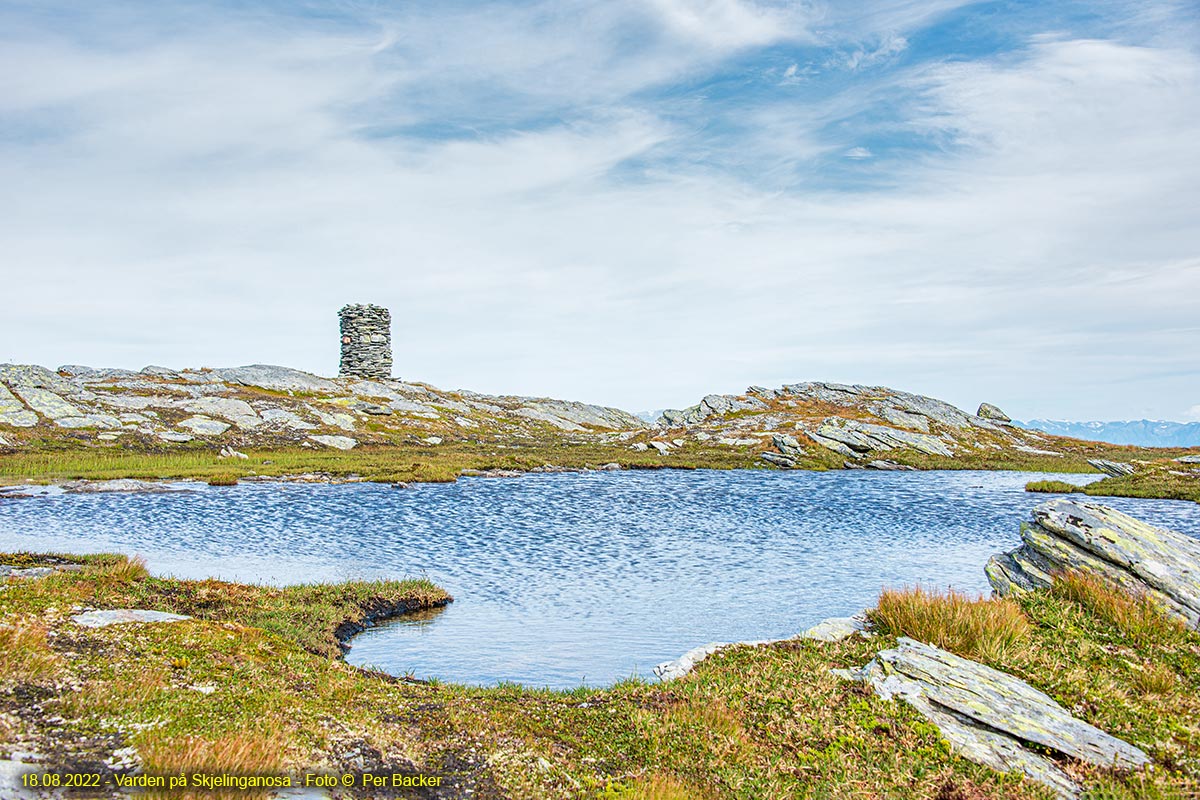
x: 989, y: 716
x: 120, y: 616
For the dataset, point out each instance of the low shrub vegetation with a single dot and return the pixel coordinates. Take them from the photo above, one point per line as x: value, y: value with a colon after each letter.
x: 1139, y: 617
x: 254, y: 684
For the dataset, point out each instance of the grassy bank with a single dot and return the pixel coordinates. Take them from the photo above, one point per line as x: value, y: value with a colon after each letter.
x: 252, y: 684
x: 376, y: 463
x: 1166, y: 480
x: 448, y: 461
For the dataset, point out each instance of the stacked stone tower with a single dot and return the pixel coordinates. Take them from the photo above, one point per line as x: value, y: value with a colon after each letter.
x: 366, y: 341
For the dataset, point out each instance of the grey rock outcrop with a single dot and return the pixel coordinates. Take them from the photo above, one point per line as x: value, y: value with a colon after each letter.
x: 366, y: 341
x: 278, y: 379
x: 1091, y: 538
x: 239, y: 412
x: 119, y: 485
x: 989, y: 411
x: 857, y: 438
x: 990, y: 717
x: 204, y: 426
x: 13, y: 411
x: 337, y: 442
x: 1117, y: 469
x: 47, y: 403
x: 32, y: 376
x: 778, y: 459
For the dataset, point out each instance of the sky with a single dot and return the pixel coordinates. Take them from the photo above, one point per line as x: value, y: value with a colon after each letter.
x: 633, y: 203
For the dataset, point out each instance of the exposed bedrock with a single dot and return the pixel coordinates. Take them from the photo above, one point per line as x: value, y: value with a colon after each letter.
x: 1117, y: 469
x: 991, y: 717
x: 1094, y: 539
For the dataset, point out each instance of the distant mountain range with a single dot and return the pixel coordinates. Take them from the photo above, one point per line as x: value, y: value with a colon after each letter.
x: 1142, y: 432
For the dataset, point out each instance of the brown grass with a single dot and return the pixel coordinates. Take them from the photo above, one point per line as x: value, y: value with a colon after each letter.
x: 223, y: 479
x: 972, y: 627
x: 663, y: 787
x: 244, y: 753
x: 1154, y: 679
x: 126, y: 569
x: 25, y: 655
x: 1139, y: 617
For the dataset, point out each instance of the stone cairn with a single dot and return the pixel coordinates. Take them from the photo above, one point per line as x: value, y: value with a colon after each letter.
x: 366, y: 341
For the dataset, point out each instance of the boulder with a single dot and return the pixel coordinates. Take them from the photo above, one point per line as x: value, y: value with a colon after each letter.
x: 779, y: 460
x: 835, y: 629
x: 989, y: 411
x: 337, y: 442
x: 662, y: 447
x: 991, y: 717
x: 788, y: 445
x: 374, y: 409
x: 1067, y: 534
x: 1117, y: 469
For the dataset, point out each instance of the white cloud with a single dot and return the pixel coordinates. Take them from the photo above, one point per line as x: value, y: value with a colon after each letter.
x: 214, y: 199
x: 858, y: 153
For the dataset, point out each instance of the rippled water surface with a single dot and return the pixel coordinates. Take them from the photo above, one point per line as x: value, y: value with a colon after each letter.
x: 565, y: 579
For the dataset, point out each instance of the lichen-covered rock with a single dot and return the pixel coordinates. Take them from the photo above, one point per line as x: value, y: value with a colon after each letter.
x: 778, y: 459
x: 1117, y: 469
x: 989, y: 716
x: 1087, y: 537
x: 47, y: 403
x: 279, y: 379
x: 989, y: 411
x: 13, y: 411
x: 32, y: 376
x: 239, y: 412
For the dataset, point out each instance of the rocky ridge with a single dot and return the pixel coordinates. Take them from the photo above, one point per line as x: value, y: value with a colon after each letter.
x: 859, y: 425
x: 262, y: 405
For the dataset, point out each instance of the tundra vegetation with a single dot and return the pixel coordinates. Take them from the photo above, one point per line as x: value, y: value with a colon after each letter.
x: 254, y: 683
x: 82, y: 423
